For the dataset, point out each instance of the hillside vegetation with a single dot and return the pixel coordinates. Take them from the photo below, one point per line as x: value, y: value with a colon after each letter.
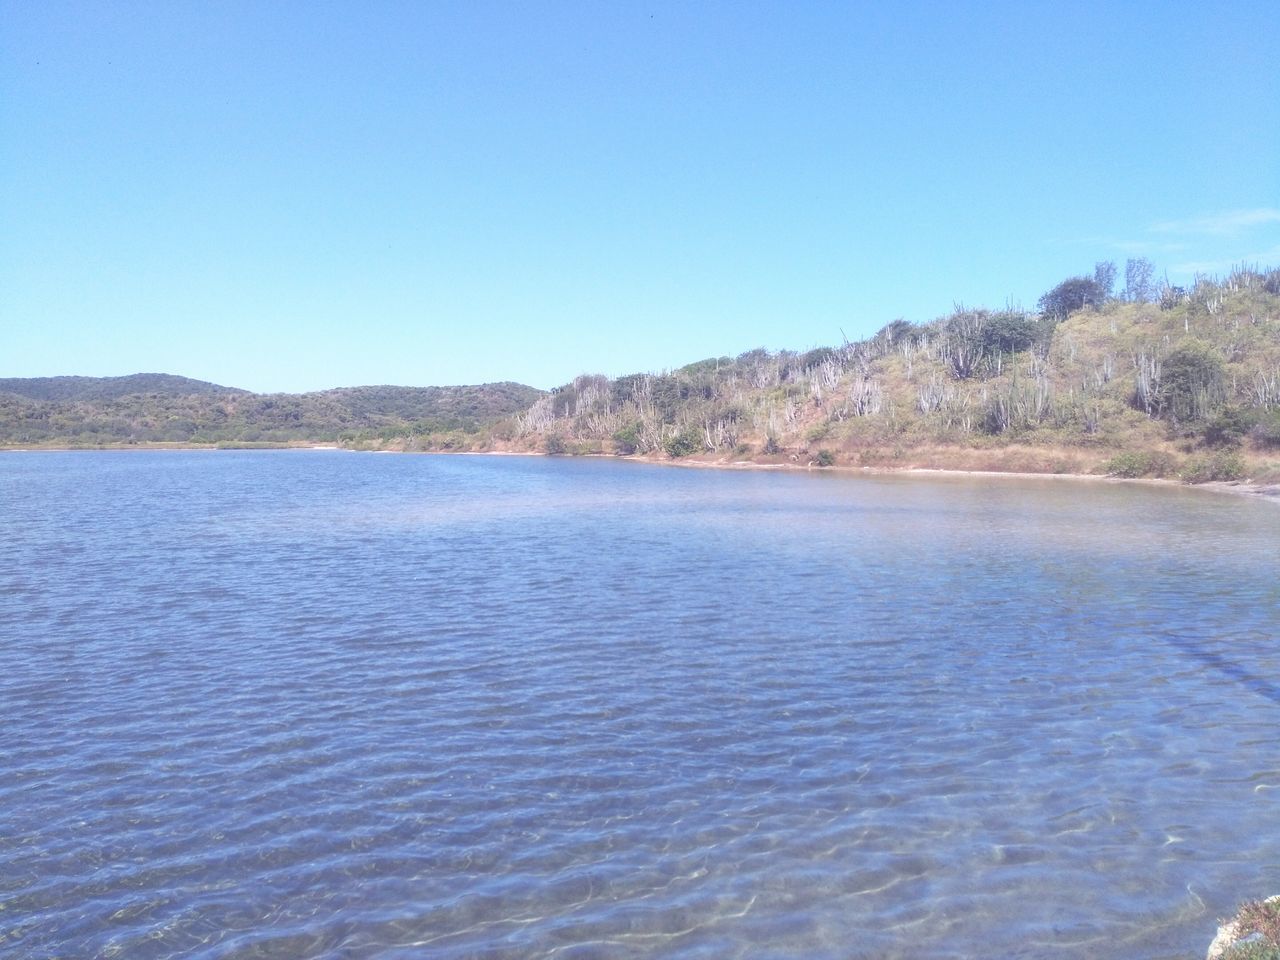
x: 1151, y: 382
x: 150, y: 408
x: 109, y: 388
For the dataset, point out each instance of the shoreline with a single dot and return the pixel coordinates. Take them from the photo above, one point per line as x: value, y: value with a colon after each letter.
x: 1246, y: 488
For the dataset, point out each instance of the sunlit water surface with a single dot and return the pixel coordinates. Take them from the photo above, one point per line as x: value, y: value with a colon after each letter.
x: 309, y: 704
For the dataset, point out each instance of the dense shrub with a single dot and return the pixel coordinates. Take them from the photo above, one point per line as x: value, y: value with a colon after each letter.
x: 1229, y: 427
x: 825, y: 458
x: 1266, y: 432
x: 627, y: 439
x: 1139, y: 463
x: 1072, y: 294
x: 1009, y: 331
x: 815, y: 357
x: 1219, y: 467
x: 895, y: 332
x: 688, y: 441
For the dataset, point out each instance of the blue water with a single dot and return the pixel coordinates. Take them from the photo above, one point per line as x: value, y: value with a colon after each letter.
x: 319, y: 704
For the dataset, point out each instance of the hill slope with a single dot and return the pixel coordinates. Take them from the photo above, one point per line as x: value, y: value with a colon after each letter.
x: 107, y: 388
x: 1186, y: 383
x: 162, y: 408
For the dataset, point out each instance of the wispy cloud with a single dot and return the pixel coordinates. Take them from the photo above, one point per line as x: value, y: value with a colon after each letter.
x: 1147, y: 247
x: 1212, y: 244
x: 1222, y: 224
x: 1265, y: 258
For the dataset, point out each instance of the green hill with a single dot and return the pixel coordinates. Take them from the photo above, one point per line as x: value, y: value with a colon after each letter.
x: 107, y: 388
x: 157, y: 408
x: 1171, y: 382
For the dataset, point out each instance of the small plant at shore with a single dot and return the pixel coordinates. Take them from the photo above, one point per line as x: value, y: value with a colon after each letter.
x: 1260, y: 916
x: 555, y: 445
x: 825, y: 458
x: 1257, y: 929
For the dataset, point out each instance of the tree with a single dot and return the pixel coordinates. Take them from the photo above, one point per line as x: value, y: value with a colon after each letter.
x: 1104, y: 275
x: 1072, y: 294
x: 627, y: 439
x: 684, y: 443
x: 1009, y: 331
x: 1137, y: 280
x: 1192, y: 382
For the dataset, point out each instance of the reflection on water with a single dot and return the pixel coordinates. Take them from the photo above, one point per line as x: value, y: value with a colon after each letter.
x: 327, y: 705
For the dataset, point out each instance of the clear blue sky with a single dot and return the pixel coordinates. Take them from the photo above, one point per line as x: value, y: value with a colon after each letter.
x: 298, y: 195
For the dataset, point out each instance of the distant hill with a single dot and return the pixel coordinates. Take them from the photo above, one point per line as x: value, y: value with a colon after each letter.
x: 149, y: 408
x: 472, y: 404
x: 106, y: 388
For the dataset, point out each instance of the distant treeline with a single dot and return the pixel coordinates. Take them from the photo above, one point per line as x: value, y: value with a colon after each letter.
x: 148, y: 408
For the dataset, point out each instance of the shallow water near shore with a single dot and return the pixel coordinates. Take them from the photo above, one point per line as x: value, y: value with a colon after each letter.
x: 317, y: 704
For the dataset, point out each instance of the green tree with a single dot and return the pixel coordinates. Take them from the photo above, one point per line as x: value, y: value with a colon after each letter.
x: 1072, y: 294
x: 1009, y: 331
x: 686, y: 442
x: 1192, y: 382
x: 627, y: 440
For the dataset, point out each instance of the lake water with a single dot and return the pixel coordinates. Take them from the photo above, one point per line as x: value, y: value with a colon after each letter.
x: 319, y: 704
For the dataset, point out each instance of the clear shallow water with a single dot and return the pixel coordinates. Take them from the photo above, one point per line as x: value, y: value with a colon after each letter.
x: 329, y: 705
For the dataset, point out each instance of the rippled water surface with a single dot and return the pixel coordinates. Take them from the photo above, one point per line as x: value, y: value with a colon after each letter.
x: 310, y: 704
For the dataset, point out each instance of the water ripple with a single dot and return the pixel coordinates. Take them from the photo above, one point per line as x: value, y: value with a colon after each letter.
x: 282, y: 705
